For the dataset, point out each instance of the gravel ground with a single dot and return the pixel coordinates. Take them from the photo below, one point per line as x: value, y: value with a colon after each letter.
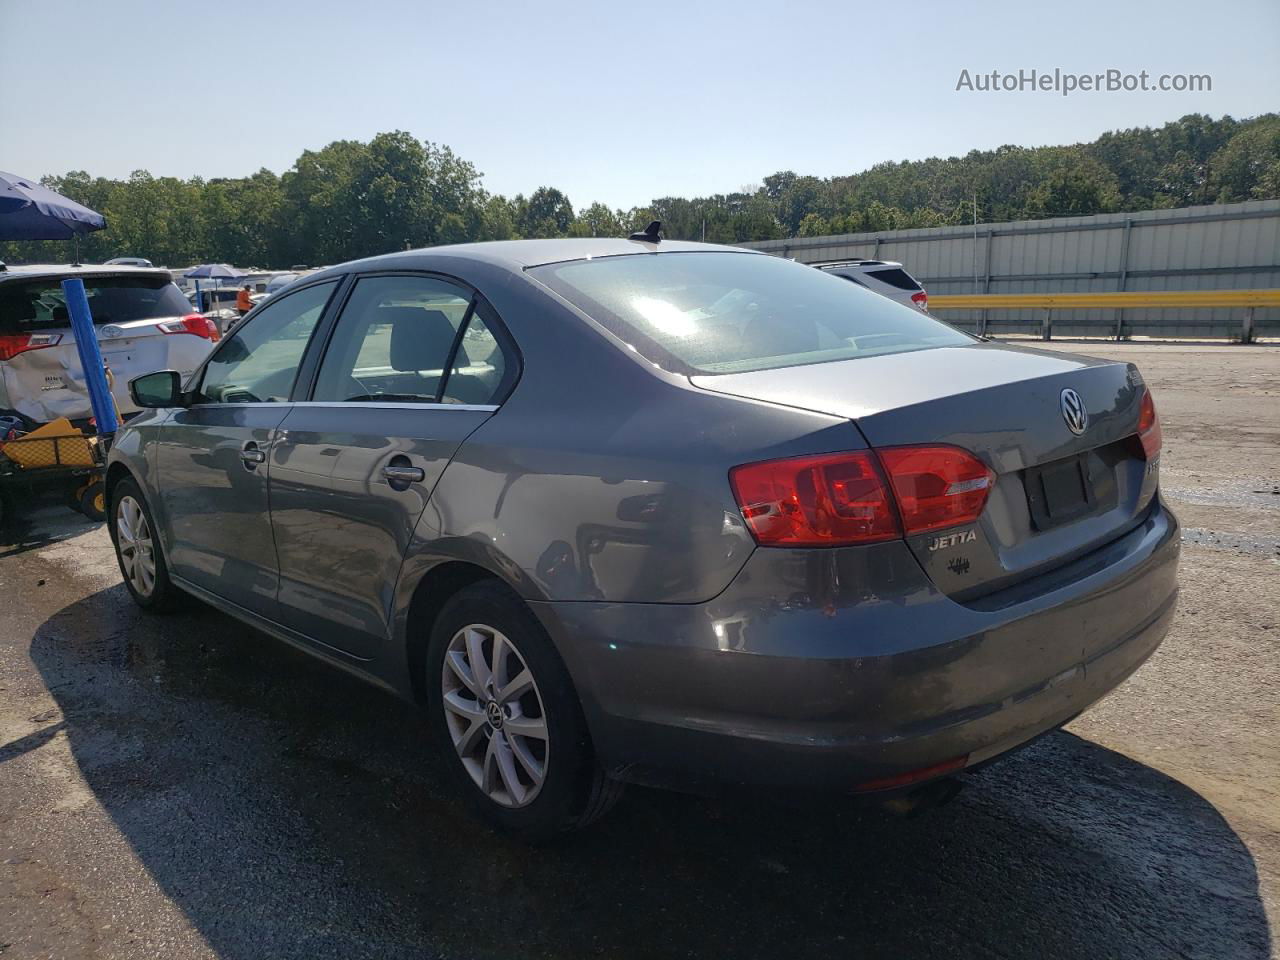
x: 185, y: 787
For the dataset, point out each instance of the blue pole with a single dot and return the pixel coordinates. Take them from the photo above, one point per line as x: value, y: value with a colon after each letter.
x: 104, y: 411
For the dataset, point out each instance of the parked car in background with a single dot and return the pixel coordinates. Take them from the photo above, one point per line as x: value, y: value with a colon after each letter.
x: 128, y: 262
x: 885, y: 277
x: 659, y: 511
x: 279, y: 282
x: 144, y: 323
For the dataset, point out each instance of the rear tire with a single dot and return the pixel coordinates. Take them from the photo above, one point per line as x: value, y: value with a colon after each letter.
x: 525, y: 762
x: 139, y: 552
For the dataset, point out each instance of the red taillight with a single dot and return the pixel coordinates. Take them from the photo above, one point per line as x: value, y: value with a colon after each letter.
x: 1149, y: 426
x: 13, y: 344
x: 816, y: 501
x: 921, y: 300
x: 843, y: 498
x: 193, y: 323
x: 936, y: 486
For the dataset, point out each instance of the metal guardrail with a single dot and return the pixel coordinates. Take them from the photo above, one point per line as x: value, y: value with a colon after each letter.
x: 1160, y: 300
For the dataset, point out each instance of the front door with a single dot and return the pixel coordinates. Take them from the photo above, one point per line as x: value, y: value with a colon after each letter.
x: 213, y: 455
x: 353, y: 469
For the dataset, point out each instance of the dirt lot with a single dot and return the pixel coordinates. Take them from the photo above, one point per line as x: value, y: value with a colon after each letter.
x: 186, y: 787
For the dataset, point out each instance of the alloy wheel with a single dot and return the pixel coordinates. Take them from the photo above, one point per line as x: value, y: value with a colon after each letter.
x: 495, y: 715
x: 133, y: 536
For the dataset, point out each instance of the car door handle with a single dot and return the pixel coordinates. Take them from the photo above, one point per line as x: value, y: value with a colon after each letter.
x: 252, y: 456
x: 403, y: 474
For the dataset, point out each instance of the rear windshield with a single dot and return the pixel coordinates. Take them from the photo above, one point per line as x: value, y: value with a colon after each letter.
x: 896, y: 278
x: 39, y: 304
x: 731, y: 312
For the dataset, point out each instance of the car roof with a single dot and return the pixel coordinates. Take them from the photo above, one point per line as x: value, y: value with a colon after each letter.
x: 520, y: 254
x: 59, y: 271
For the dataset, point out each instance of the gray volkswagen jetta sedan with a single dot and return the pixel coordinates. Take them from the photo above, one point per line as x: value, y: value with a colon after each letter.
x: 661, y: 512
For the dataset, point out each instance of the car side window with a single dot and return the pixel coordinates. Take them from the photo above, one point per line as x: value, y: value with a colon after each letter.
x: 259, y: 361
x: 393, y: 341
x: 481, y: 368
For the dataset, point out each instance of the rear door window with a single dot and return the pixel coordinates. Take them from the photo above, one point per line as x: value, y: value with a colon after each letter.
x: 398, y: 336
x: 27, y: 307
x: 481, y: 371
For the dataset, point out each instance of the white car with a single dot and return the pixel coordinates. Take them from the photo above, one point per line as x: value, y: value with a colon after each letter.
x: 884, y: 277
x: 144, y: 324
x: 129, y: 262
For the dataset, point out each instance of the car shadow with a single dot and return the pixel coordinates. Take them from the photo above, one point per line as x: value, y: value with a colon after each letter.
x: 291, y: 811
x: 29, y: 521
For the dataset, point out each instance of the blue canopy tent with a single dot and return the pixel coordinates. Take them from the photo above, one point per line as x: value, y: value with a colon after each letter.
x: 29, y: 211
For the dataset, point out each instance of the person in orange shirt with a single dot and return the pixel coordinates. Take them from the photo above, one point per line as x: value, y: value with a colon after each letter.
x: 243, y: 303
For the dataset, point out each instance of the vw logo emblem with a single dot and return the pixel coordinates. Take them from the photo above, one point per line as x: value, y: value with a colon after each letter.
x: 1073, y: 412
x: 493, y: 713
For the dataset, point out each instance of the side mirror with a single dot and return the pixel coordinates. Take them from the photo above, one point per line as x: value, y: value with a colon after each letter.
x: 160, y: 389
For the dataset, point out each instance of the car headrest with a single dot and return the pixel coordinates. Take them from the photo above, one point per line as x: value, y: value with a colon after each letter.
x: 420, y: 339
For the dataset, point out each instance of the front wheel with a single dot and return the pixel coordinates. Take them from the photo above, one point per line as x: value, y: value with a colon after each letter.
x: 138, y: 550
x: 505, y: 712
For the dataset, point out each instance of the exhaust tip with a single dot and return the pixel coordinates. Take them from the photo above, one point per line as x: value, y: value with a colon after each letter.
x: 927, y: 796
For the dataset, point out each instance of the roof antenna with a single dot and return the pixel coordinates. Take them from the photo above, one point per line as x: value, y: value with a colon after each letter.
x: 650, y: 234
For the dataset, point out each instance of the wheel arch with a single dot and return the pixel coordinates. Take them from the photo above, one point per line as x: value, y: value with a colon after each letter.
x: 430, y: 592
x: 117, y: 471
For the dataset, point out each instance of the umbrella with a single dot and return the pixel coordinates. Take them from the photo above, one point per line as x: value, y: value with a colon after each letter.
x: 217, y: 272
x: 29, y: 211
x: 213, y: 271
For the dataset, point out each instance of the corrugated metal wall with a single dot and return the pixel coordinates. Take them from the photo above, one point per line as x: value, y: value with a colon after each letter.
x: 1233, y: 246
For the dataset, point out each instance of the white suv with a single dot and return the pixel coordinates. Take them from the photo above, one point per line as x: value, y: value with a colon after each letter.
x: 884, y: 277
x: 144, y: 324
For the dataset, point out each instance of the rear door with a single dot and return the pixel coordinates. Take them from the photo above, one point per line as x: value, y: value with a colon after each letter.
x: 353, y: 468
x: 212, y: 458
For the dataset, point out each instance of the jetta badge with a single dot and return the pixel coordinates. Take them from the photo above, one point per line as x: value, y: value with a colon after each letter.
x: 1073, y: 412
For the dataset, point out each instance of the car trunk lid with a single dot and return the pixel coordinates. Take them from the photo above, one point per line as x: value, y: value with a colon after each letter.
x: 1057, y: 494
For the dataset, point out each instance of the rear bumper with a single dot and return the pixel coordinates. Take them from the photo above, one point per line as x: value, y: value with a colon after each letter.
x: 834, y: 668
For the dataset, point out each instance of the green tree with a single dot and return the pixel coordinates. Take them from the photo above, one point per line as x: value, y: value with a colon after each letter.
x: 597, y: 220
x: 1248, y: 166
x: 546, y: 213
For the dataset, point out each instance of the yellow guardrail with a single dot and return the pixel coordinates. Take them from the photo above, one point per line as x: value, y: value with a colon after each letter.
x: 1135, y: 300
x: 1083, y: 301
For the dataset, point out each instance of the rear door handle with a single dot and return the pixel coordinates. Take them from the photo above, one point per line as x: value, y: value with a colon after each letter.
x: 403, y: 474
x: 252, y: 456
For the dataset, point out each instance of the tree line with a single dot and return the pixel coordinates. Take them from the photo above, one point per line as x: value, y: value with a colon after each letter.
x: 354, y: 199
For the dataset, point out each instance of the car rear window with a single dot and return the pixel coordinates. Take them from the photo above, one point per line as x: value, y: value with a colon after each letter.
x: 895, y: 278
x: 700, y: 313
x: 40, y: 305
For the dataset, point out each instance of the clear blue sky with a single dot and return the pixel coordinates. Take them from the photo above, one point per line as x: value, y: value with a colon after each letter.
x: 611, y: 101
